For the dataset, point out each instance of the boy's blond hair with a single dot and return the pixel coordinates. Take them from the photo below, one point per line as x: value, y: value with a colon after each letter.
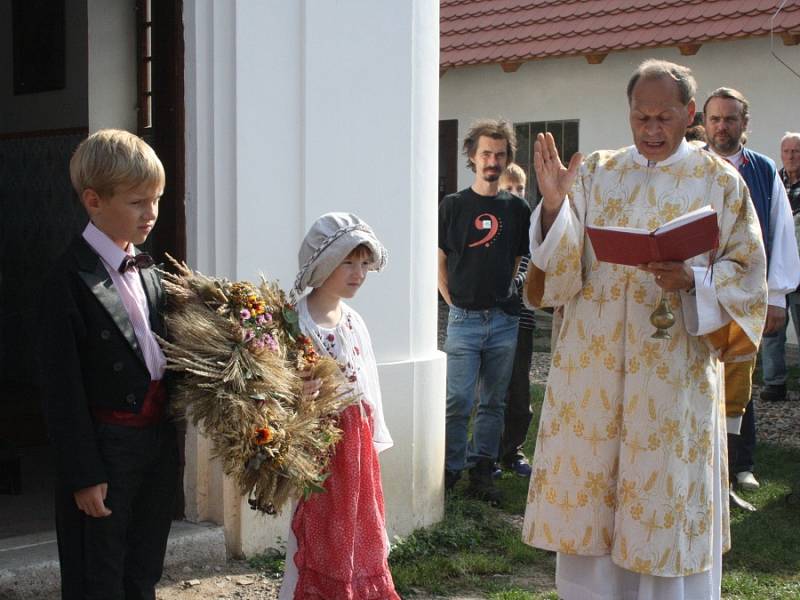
x: 514, y: 174
x: 113, y: 159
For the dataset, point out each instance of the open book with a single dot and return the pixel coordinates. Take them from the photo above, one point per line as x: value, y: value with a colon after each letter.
x: 681, y: 238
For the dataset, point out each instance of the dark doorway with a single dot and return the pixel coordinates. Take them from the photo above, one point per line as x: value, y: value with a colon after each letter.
x: 448, y: 157
x: 161, y: 113
x: 160, y: 59
x: 40, y: 214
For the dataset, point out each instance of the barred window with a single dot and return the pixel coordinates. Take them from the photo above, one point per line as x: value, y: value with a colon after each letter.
x: 565, y: 134
x: 144, y: 61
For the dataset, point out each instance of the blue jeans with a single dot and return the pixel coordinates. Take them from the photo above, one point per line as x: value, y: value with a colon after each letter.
x: 480, y: 350
x: 773, y: 346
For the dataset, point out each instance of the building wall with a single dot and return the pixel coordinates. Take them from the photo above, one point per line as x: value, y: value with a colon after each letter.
x: 299, y: 108
x: 112, y: 64
x: 570, y: 88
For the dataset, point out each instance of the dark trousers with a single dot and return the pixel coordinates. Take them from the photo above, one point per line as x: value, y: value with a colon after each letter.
x: 741, y: 447
x: 518, y: 401
x: 120, y: 557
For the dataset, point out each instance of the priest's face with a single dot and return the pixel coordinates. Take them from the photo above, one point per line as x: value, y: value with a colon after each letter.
x: 725, y: 125
x: 658, y: 117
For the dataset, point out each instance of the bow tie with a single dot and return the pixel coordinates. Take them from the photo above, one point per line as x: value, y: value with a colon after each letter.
x: 140, y: 261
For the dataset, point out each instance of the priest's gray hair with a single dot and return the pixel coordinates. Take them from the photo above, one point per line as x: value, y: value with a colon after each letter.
x: 791, y: 135
x: 656, y: 69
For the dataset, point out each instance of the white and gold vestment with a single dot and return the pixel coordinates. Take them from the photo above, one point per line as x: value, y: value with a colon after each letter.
x: 623, y: 460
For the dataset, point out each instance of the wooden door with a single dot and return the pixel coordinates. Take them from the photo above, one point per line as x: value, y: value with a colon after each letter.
x: 448, y: 157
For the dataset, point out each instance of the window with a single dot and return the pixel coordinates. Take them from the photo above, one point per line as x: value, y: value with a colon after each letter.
x: 565, y: 134
x: 144, y: 61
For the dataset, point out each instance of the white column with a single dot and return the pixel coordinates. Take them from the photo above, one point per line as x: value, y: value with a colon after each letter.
x: 211, y: 187
x: 321, y: 106
x: 371, y: 131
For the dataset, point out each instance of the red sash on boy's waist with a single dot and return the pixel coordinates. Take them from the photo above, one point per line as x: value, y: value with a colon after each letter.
x: 152, y: 411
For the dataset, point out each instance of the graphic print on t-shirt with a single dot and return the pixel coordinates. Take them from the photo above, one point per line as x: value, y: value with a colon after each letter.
x: 491, y: 225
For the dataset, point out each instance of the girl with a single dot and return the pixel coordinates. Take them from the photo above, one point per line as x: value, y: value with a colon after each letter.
x: 338, y: 547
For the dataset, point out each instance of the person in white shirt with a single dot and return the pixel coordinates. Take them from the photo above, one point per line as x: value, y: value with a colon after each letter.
x: 726, y: 117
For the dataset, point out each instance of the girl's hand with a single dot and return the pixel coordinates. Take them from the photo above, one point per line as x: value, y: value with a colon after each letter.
x: 310, y: 386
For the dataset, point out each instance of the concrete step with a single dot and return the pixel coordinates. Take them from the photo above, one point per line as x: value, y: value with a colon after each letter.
x: 29, y: 563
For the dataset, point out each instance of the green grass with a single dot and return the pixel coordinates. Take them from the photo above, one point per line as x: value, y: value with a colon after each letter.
x: 793, y: 378
x: 469, y: 549
x: 764, y: 562
x: 477, y: 548
x: 518, y: 594
x: 272, y: 562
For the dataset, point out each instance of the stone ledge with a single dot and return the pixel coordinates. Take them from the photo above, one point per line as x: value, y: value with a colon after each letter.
x: 29, y: 563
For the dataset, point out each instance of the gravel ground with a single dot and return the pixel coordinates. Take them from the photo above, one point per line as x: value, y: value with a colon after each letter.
x: 235, y: 580
x: 779, y: 423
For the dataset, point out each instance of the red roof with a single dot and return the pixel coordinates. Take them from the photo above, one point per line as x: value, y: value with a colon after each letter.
x: 475, y: 32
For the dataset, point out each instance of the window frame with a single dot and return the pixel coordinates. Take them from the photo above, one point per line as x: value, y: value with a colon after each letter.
x: 525, y: 141
x: 144, y: 66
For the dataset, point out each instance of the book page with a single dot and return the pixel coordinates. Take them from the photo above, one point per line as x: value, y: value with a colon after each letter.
x: 621, y: 229
x: 683, y: 219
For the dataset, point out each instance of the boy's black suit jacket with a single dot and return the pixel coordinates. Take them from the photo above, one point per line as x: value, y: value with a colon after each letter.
x: 90, y: 357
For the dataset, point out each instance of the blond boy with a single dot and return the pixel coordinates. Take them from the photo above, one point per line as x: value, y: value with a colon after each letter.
x: 518, y: 400
x: 105, y: 401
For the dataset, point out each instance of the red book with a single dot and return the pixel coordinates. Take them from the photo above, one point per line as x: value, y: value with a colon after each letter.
x: 679, y: 239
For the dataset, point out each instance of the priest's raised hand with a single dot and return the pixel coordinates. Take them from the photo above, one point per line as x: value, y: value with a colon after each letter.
x: 552, y: 177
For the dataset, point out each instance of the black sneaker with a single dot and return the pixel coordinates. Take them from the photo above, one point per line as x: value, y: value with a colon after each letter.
x: 481, y: 482
x: 497, y: 471
x: 521, y: 468
x: 773, y: 393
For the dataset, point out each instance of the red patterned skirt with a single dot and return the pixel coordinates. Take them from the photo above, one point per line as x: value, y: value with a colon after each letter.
x: 341, y: 533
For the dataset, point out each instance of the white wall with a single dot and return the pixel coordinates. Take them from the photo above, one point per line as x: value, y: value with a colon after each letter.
x: 570, y: 88
x: 57, y: 109
x: 299, y: 108
x: 112, y: 64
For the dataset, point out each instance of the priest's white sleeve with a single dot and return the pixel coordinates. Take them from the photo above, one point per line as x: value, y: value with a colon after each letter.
x: 702, y: 312
x: 543, y: 248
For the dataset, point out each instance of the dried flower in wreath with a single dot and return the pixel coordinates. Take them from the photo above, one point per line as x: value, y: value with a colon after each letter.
x: 242, y: 360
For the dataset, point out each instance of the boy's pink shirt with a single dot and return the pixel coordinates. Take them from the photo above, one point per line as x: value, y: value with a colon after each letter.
x: 131, y: 291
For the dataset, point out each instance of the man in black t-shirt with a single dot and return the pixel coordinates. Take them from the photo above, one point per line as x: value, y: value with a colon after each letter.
x: 483, y: 232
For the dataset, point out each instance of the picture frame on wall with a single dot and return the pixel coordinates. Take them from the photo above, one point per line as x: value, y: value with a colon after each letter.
x: 38, y: 41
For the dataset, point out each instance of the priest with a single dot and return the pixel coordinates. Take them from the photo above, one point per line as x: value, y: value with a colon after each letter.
x: 629, y: 484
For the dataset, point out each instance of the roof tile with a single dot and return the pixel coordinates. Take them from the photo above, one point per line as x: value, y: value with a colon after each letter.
x: 495, y: 31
